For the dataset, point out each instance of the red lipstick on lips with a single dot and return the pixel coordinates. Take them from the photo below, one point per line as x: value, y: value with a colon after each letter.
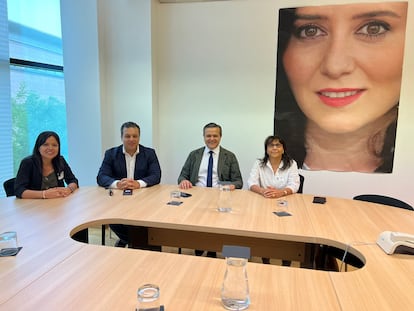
x: 339, y: 97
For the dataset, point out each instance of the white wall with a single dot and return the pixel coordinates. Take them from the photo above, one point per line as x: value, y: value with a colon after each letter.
x: 82, y: 87
x: 126, y: 70
x: 214, y: 61
x: 108, y: 77
x: 214, y: 67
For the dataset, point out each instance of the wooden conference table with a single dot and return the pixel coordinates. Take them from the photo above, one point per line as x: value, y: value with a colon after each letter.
x: 53, y: 271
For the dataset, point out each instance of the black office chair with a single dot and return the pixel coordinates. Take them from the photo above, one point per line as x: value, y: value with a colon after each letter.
x: 302, y: 180
x: 382, y: 199
x: 8, y: 186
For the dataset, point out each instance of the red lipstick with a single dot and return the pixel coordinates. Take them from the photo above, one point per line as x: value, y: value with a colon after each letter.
x: 339, y: 97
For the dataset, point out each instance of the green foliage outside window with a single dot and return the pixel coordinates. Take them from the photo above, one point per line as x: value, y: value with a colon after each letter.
x: 31, y: 115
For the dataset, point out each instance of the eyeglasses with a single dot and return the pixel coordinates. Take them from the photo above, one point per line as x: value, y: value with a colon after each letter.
x: 277, y: 145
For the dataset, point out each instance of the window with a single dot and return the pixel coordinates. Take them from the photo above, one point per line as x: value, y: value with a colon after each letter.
x: 36, y: 87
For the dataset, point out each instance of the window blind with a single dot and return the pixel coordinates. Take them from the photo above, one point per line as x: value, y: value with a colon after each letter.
x: 6, y: 145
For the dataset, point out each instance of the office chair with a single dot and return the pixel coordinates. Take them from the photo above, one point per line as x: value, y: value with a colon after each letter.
x: 8, y: 186
x: 381, y: 199
x: 302, y: 180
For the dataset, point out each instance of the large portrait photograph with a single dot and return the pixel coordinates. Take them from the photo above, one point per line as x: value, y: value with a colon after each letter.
x: 338, y: 83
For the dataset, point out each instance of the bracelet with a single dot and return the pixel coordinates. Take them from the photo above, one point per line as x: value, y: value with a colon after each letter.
x: 43, y: 194
x: 71, y: 188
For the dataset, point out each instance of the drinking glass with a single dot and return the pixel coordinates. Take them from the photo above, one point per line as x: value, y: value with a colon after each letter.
x: 224, y: 202
x: 282, y: 205
x: 148, y: 298
x: 175, y: 196
x: 8, y: 243
x: 235, y: 288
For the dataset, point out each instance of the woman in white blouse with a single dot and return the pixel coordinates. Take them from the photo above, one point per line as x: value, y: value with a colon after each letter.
x: 276, y: 175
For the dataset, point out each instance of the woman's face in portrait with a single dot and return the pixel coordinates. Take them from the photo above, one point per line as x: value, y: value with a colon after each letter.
x: 50, y: 148
x: 344, y: 63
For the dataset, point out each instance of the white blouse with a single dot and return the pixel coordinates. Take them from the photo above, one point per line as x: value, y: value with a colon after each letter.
x: 263, y: 176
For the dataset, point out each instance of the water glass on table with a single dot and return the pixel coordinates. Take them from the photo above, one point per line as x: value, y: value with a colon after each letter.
x: 235, y: 288
x: 224, y: 201
x: 148, y: 298
x: 8, y: 243
x: 175, y: 197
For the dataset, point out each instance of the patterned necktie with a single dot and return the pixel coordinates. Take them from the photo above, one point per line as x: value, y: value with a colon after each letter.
x: 210, y: 170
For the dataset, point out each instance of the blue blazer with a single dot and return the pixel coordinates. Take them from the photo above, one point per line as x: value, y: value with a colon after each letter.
x: 147, y: 167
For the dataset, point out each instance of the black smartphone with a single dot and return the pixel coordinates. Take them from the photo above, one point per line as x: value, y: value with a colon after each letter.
x: 282, y: 214
x: 185, y: 195
x: 127, y: 191
x: 176, y: 203
x: 319, y: 200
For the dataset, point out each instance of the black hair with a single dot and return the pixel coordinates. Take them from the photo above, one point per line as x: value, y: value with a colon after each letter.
x: 287, y: 160
x: 212, y: 125
x: 129, y: 124
x: 41, y: 139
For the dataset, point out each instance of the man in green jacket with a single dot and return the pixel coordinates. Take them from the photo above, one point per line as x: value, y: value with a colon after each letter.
x: 225, y: 166
x: 209, y: 166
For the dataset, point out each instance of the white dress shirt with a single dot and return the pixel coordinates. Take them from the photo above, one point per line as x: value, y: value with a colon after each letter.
x: 130, y: 167
x: 202, y: 172
x: 263, y: 176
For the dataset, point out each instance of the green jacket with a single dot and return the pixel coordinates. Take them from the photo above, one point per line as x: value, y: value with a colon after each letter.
x: 227, y: 167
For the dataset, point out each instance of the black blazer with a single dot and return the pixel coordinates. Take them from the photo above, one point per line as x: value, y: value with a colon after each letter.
x: 29, y: 175
x: 147, y: 167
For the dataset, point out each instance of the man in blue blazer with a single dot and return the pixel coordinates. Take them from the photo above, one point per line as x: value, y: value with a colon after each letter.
x: 225, y: 167
x: 128, y: 166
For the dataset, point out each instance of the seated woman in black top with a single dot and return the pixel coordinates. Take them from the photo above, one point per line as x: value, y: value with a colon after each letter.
x: 43, y: 174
